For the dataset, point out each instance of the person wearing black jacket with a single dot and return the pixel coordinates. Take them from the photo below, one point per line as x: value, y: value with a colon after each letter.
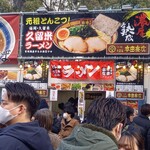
x: 141, y: 124
x: 19, y: 103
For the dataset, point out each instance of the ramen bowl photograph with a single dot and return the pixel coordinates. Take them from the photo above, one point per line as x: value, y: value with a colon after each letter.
x: 7, y: 37
x: 75, y: 37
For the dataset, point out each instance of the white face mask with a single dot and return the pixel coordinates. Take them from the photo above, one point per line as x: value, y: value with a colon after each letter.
x: 65, y: 115
x: 5, y: 115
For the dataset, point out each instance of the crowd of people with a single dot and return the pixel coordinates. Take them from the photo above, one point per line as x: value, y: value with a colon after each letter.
x: 27, y: 123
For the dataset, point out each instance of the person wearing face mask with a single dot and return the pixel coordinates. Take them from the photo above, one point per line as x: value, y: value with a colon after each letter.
x: 19, y: 103
x: 67, y: 122
x: 105, y: 120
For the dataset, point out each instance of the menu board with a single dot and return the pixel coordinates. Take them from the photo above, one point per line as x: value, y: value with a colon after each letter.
x: 132, y: 103
x: 8, y: 76
x: 129, y: 76
x: 35, y: 73
x: 84, y: 86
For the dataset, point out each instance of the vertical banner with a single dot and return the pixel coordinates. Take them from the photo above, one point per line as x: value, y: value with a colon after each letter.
x: 107, y: 70
x: 53, y: 95
x: 55, y: 68
x: 81, y: 104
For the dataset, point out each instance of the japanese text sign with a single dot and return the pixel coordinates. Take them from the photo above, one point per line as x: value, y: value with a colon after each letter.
x: 130, y: 95
x: 86, y: 35
x: 94, y: 70
x: 129, y: 48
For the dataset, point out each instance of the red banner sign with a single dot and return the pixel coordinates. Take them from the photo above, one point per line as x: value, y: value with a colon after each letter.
x: 82, y: 70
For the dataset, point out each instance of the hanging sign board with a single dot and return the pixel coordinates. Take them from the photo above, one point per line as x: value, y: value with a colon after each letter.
x: 53, y: 95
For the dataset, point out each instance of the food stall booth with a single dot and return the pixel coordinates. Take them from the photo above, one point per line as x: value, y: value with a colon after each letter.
x: 96, y: 53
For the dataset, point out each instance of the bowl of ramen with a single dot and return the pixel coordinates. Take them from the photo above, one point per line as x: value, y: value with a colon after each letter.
x: 7, y: 37
x: 86, y: 35
x: 126, y: 74
x: 33, y: 73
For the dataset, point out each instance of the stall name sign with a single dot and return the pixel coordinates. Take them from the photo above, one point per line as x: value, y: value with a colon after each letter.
x: 132, y: 95
x: 127, y: 49
x: 92, y: 96
x: 42, y: 92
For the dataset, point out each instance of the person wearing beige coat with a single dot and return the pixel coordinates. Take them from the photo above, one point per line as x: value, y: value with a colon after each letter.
x: 67, y: 122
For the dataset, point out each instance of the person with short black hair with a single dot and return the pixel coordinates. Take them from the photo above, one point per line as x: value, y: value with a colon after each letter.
x: 105, y: 120
x: 129, y: 114
x: 145, y: 110
x: 19, y: 102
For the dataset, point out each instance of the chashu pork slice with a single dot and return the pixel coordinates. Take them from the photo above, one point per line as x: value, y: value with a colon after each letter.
x: 106, y: 24
x: 95, y: 44
x: 106, y: 28
x: 75, y: 44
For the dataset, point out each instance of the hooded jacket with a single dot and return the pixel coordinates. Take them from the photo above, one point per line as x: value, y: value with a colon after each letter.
x: 24, y: 136
x: 89, y: 137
